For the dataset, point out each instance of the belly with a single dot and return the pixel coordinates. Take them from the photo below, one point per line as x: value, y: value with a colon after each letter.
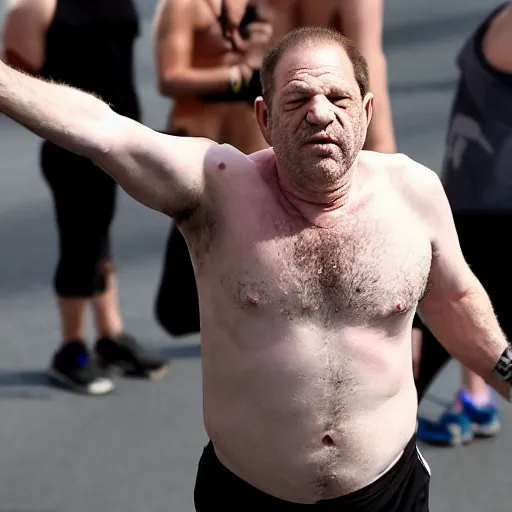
x: 308, y: 417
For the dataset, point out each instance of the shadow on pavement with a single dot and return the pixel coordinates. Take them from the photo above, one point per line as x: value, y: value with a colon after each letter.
x: 181, y: 351
x: 26, y: 384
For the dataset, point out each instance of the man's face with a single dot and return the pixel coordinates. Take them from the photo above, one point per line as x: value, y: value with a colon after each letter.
x: 318, y: 120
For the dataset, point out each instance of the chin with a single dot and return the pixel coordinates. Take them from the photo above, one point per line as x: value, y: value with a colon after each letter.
x: 326, y: 166
x: 320, y: 174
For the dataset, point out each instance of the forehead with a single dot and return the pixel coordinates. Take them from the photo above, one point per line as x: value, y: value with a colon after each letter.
x: 310, y: 63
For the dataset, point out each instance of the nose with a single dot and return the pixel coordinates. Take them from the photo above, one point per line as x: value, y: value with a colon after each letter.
x: 320, y: 112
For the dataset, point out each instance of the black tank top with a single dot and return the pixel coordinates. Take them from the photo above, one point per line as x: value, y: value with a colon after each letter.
x: 90, y: 44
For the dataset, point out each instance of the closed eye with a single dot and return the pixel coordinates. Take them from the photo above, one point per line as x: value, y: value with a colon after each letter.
x: 297, y: 101
x: 338, y: 99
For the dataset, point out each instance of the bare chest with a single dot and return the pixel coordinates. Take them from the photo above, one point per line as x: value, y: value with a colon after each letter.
x: 209, y: 40
x: 363, y: 270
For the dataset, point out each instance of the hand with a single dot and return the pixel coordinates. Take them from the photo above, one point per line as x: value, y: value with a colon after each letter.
x: 235, y: 10
x: 252, y: 54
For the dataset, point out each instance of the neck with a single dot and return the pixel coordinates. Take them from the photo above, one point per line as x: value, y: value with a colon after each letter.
x: 320, y: 207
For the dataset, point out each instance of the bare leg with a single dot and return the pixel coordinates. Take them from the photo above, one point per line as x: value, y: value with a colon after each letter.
x: 476, y: 387
x: 107, y: 313
x: 64, y: 364
x: 72, y: 316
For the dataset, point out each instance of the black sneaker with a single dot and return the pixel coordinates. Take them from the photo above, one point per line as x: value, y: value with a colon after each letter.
x: 73, y: 367
x: 125, y: 353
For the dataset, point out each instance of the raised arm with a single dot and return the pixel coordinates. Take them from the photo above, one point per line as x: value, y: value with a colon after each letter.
x: 162, y: 172
x: 456, y: 308
x: 362, y: 22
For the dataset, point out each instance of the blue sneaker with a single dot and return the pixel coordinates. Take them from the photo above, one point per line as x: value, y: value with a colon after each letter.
x: 485, y: 421
x: 453, y: 429
x: 450, y: 429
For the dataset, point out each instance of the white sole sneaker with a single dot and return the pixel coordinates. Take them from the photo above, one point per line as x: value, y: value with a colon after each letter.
x: 99, y: 387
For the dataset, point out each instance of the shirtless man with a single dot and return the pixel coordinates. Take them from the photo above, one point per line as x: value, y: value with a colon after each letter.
x: 186, y: 68
x: 311, y: 258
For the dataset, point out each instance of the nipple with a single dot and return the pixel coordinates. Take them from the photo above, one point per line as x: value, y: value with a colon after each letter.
x: 250, y: 298
x: 221, y: 166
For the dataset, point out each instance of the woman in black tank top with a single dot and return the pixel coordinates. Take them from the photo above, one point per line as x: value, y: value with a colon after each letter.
x: 89, y: 45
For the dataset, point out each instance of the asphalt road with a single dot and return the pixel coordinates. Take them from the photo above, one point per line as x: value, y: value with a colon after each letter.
x: 137, y: 450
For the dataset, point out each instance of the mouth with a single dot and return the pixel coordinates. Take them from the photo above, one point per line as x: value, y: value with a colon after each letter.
x: 321, y: 140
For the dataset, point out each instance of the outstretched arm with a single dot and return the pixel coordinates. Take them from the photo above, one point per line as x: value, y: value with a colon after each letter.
x: 362, y: 22
x: 162, y: 172
x: 456, y: 308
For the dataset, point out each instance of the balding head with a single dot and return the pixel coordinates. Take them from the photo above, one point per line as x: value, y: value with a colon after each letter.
x: 308, y: 37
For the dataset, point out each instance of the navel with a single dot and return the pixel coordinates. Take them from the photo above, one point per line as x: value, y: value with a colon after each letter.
x: 327, y: 441
x: 253, y: 301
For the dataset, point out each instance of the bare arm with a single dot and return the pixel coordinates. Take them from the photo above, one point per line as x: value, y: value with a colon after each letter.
x: 162, y: 172
x: 24, y: 33
x: 362, y: 22
x: 174, y: 33
x: 456, y: 308
x: 497, y: 41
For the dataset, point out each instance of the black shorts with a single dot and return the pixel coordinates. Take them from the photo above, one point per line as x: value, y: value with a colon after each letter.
x: 404, y: 488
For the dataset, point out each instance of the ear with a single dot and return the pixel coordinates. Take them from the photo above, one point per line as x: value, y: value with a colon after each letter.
x: 368, y: 107
x: 262, y: 116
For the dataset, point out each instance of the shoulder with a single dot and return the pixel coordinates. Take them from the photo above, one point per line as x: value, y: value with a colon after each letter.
x: 167, y: 9
x: 404, y: 173
x: 419, y: 187
x: 228, y: 169
x: 39, y: 8
x: 25, y: 26
x: 29, y: 15
x: 224, y: 157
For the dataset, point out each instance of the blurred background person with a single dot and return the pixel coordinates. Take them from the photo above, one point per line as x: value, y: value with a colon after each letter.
x: 477, y: 176
x: 87, y: 44
x: 211, y: 71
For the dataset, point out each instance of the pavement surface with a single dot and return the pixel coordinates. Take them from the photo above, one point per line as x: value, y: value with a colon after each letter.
x: 137, y: 450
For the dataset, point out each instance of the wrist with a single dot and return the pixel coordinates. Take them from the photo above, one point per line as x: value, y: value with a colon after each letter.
x: 503, y: 368
x: 236, y: 79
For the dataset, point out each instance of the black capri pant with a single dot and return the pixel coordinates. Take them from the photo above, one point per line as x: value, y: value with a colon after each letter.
x: 84, y: 202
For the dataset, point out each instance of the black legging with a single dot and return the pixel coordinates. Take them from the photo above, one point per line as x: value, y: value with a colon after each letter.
x: 433, y: 358
x: 84, y: 202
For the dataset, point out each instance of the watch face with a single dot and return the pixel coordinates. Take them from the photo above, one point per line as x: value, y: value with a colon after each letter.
x: 504, y: 365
